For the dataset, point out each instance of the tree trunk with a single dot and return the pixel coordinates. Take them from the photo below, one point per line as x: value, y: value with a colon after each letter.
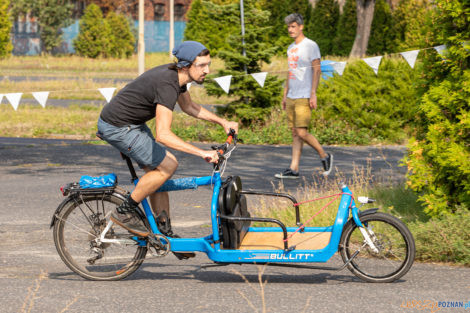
x: 365, y: 14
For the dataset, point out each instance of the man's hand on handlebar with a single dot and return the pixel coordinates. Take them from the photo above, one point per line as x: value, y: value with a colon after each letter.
x: 230, y: 125
x: 210, y: 156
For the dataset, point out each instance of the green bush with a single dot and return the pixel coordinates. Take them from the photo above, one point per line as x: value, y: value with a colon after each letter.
x: 252, y: 102
x: 438, y: 159
x: 121, y: 41
x: 93, y: 39
x: 5, y: 28
x: 381, y: 106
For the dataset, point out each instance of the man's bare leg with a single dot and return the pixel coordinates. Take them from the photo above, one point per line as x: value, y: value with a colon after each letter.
x: 305, y: 136
x: 152, y: 180
x: 297, y: 145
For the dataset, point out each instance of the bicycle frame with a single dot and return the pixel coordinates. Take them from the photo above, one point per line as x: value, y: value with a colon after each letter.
x: 211, y: 244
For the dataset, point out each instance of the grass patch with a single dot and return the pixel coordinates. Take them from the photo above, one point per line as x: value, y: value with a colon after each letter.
x: 50, y: 122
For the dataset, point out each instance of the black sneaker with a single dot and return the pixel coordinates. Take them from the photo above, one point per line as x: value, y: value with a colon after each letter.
x: 327, y: 164
x: 288, y: 173
x: 126, y: 216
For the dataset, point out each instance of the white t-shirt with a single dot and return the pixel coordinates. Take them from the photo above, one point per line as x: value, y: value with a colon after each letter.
x: 299, y: 58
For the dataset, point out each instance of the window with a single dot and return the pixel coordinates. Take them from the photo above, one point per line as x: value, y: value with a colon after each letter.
x: 159, y: 11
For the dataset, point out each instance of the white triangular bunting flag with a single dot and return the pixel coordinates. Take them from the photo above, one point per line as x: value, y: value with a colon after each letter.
x: 41, y: 97
x: 224, y: 82
x: 339, y: 67
x: 299, y: 73
x: 374, y: 63
x: 260, y: 77
x: 188, y: 85
x: 440, y: 49
x: 107, y: 93
x: 14, y: 99
x: 410, y: 57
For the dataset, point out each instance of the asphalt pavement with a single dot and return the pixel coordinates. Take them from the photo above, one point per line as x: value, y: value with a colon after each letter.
x: 34, y: 279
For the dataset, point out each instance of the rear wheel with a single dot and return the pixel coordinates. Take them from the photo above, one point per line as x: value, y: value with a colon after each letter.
x: 77, y: 233
x: 395, y: 248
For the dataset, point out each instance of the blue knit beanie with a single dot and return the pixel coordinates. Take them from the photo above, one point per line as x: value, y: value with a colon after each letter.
x: 186, y: 52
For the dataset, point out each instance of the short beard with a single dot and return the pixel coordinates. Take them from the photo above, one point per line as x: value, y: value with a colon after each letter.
x: 197, y: 81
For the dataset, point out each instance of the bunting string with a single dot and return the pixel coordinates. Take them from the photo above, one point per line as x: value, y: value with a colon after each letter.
x: 225, y: 81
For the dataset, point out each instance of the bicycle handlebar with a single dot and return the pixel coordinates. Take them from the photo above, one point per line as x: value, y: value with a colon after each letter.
x: 231, y: 137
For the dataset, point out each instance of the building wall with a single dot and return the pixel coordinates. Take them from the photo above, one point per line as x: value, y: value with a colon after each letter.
x: 26, y: 41
x: 25, y: 37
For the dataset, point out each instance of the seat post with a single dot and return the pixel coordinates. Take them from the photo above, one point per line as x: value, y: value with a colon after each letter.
x: 131, y: 167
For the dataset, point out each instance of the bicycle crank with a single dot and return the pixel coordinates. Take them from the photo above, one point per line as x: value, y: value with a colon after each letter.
x: 158, y: 245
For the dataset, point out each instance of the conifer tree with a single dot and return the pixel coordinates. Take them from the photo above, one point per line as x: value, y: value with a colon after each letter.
x: 93, y: 38
x: 211, y: 32
x: 438, y: 159
x: 346, y: 31
x: 5, y: 28
x: 121, y: 41
x: 382, y: 35
x: 323, y: 25
x: 253, y: 102
x: 412, y: 23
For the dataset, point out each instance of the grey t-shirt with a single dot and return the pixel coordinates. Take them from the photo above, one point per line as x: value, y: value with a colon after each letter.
x: 137, y: 102
x: 299, y: 58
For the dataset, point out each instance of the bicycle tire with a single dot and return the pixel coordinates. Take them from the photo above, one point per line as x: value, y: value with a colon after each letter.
x: 80, y: 221
x: 392, y: 238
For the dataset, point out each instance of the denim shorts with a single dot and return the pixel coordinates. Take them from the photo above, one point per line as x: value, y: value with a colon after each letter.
x: 135, y: 141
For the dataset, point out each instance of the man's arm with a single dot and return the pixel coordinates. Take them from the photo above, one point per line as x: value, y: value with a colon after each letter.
x: 316, y: 72
x: 193, y: 109
x: 165, y: 136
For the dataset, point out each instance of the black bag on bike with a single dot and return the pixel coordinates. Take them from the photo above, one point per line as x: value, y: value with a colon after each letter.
x: 232, y: 204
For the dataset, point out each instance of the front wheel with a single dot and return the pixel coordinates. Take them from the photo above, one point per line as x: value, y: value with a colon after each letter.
x: 77, y: 232
x: 394, y: 243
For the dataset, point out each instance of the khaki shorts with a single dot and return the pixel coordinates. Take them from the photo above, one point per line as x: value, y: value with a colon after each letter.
x: 298, y: 112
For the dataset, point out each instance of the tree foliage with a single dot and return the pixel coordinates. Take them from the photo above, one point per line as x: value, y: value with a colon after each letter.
x: 323, y: 25
x: 346, y: 31
x: 253, y: 102
x: 93, y: 38
x: 52, y: 15
x: 104, y: 37
x: 438, y: 159
x: 277, y: 35
x: 5, y: 28
x: 382, y: 34
x: 122, y: 40
x: 412, y: 23
x: 213, y: 33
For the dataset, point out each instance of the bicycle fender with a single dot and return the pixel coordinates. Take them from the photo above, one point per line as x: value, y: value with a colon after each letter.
x: 356, y: 214
x: 59, y: 209
x: 368, y: 211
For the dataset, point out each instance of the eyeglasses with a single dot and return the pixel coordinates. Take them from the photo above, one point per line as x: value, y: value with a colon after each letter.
x: 202, y: 65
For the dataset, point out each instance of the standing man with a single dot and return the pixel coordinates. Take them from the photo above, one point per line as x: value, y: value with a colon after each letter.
x: 300, y: 95
x: 122, y: 124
